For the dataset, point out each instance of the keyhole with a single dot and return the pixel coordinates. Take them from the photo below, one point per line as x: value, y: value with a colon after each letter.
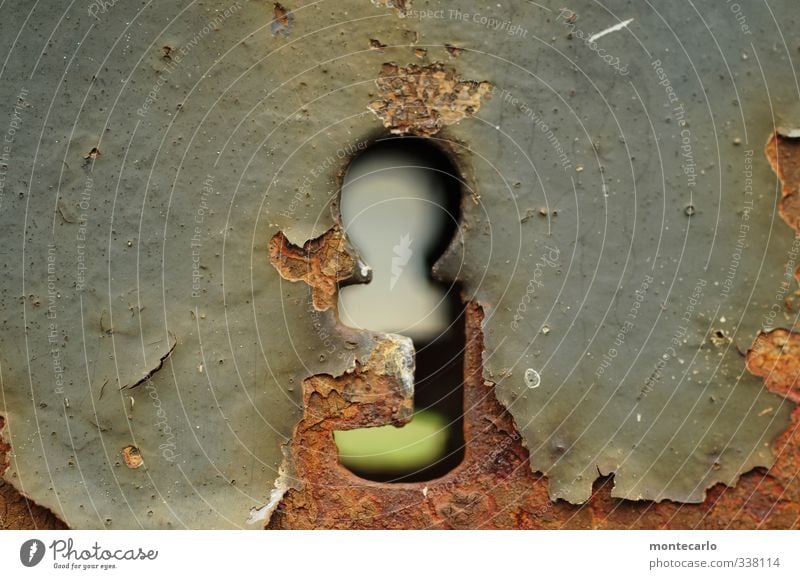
x: 400, y: 208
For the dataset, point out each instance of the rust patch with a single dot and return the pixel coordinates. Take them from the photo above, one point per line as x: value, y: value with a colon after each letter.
x: 376, y: 45
x: 374, y: 394
x: 322, y: 263
x: 132, y: 456
x: 423, y: 99
x: 5, y: 448
x: 17, y: 512
x: 401, y: 7
x: 453, y: 51
x: 784, y: 157
x: 494, y: 486
x: 283, y: 18
x: 775, y: 356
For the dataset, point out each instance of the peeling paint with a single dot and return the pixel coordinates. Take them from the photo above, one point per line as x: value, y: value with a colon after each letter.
x: 545, y: 115
x: 783, y: 152
x: 423, y: 99
x: 132, y: 456
x: 495, y: 487
x: 775, y: 356
x: 322, y: 263
x: 401, y: 7
x: 283, y: 19
x: 172, y: 341
x: 261, y: 515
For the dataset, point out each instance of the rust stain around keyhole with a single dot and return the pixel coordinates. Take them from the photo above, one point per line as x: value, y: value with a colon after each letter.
x: 400, y: 205
x: 493, y: 476
x: 494, y: 486
x: 467, y: 497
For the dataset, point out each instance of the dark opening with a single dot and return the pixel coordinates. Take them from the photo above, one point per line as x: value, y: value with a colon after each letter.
x: 410, y: 185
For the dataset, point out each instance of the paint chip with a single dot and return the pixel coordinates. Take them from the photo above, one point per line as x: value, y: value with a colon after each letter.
x: 132, y: 456
x: 532, y: 378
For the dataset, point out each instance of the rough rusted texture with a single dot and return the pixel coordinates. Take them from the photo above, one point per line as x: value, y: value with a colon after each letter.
x: 322, y: 263
x: 784, y: 156
x: 5, y: 448
x: 283, y: 20
x: 494, y: 487
x: 422, y: 99
x: 775, y: 356
x: 17, y: 512
x: 132, y: 457
x: 372, y: 395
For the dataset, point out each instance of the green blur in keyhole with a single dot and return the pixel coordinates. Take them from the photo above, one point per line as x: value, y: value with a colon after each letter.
x: 389, y: 448
x: 400, y: 209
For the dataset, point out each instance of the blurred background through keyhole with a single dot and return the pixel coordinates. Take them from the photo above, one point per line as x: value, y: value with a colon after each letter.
x: 400, y: 207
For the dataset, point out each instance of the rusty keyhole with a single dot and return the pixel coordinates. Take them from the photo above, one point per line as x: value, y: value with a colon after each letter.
x: 400, y: 208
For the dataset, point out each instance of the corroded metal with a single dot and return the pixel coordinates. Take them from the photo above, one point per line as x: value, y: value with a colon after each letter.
x: 618, y: 248
x: 494, y: 487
